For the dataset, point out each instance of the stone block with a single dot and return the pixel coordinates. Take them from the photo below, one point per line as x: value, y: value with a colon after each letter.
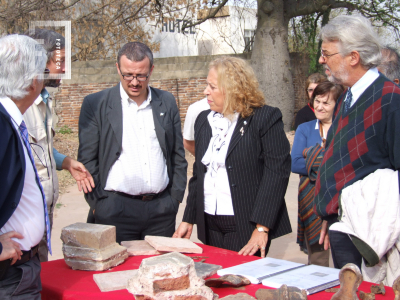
x: 204, y: 270
x: 168, y: 276
x: 113, y: 281
x: 93, y: 254
x: 90, y: 265
x: 139, y: 247
x: 87, y: 235
x: 166, y: 244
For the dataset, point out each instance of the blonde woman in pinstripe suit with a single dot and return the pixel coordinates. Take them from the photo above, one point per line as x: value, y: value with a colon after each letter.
x: 242, y: 166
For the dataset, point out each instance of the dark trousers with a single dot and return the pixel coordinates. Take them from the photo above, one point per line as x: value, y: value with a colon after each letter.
x: 317, y: 255
x: 134, y: 218
x: 22, y: 282
x: 343, y: 250
x: 221, y: 233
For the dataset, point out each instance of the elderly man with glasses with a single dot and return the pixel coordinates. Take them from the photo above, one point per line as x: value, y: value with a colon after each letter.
x: 40, y: 126
x: 365, y: 132
x: 130, y: 140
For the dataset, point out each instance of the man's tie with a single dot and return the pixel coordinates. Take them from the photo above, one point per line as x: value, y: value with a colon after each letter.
x: 25, y: 138
x: 347, y: 102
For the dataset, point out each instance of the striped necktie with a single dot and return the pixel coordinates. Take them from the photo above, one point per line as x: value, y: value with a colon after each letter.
x: 25, y: 138
x: 347, y: 102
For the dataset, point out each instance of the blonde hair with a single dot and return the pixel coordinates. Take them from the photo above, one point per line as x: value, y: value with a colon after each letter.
x: 236, y: 79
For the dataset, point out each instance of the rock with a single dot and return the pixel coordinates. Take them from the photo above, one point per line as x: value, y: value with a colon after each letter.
x: 350, y: 279
x: 93, y: 254
x: 113, y: 281
x: 229, y: 279
x: 283, y: 293
x: 139, y: 247
x: 87, y: 235
x: 166, y: 244
x: 168, y: 276
x: 90, y: 265
x: 378, y: 289
x: 204, y: 270
x: 367, y: 296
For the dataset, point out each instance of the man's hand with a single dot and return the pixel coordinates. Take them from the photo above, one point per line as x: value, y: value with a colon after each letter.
x: 184, y: 231
x: 82, y: 176
x: 257, y: 241
x: 324, y: 237
x: 11, y: 248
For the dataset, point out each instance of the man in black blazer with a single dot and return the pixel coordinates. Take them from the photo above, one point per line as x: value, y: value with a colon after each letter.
x: 130, y: 140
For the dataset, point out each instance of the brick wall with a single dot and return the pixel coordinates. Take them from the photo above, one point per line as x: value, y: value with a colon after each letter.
x: 184, y: 77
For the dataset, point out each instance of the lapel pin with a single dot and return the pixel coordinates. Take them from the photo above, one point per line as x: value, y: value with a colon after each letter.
x: 245, y: 122
x: 241, y: 131
x: 161, y: 114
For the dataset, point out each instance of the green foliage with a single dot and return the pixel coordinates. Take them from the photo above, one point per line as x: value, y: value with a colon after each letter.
x: 65, y: 130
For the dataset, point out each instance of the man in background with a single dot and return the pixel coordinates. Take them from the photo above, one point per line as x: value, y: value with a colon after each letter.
x: 130, y: 139
x: 188, y: 129
x: 39, y: 121
x: 23, y: 213
x: 390, y: 65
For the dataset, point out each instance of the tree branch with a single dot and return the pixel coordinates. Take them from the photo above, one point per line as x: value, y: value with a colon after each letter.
x: 210, y: 16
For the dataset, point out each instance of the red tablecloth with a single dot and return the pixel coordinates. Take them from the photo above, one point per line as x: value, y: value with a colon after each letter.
x: 61, y: 282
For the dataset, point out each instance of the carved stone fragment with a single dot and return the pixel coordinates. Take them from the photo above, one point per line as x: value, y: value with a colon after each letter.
x: 350, y: 279
x: 93, y: 254
x: 168, y: 276
x: 229, y: 280
x: 204, y: 270
x: 283, y: 293
x: 378, y: 289
x: 396, y: 288
x: 87, y: 235
x: 332, y: 290
x: 113, y: 281
x: 367, y: 296
x: 139, y: 247
x: 167, y: 244
x: 91, y: 247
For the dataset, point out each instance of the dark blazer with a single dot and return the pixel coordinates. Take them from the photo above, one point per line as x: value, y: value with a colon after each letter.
x: 12, y: 168
x: 100, y: 138
x: 258, y: 166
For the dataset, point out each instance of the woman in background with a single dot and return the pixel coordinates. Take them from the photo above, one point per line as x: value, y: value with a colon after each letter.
x: 242, y: 165
x: 307, y: 153
x: 306, y: 114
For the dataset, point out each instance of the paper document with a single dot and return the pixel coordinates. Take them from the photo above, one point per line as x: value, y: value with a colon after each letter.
x: 311, y: 278
x: 260, y: 269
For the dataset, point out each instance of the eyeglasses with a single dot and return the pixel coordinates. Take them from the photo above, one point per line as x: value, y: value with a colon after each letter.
x: 310, y: 90
x: 131, y: 77
x: 326, y: 56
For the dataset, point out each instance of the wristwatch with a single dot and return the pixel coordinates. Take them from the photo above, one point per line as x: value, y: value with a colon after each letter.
x: 260, y: 229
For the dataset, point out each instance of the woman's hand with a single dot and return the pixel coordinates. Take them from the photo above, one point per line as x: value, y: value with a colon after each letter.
x: 184, y: 231
x: 324, y: 236
x: 257, y: 241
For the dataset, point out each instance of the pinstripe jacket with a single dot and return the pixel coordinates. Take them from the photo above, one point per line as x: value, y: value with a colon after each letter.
x: 258, y: 165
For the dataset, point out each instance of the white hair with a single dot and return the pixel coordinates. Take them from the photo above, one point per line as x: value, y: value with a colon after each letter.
x: 22, y: 59
x: 354, y: 33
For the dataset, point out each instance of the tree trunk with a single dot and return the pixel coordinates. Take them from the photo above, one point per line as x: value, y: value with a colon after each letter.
x: 270, y: 58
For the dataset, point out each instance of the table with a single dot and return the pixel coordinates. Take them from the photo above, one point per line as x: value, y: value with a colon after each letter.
x: 61, y: 282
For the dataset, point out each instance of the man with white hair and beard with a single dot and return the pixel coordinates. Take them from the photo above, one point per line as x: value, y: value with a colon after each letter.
x: 365, y: 133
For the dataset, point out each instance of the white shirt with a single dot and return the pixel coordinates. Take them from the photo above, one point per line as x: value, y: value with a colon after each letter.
x: 141, y: 168
x: 217, y: 191
x: 192, y: 113
x: 28, y: 217
x: 363, y: 83
x: 323, y: 131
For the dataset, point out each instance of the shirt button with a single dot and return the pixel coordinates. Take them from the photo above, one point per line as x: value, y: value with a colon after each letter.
x: 117, y: 153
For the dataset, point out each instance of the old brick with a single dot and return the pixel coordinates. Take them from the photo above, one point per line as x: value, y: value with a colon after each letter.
x: 171, y: 284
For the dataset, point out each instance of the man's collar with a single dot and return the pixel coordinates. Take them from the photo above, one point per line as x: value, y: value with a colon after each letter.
x: 125, y: 97
x: 12, y: 109
x: 364, y: 82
